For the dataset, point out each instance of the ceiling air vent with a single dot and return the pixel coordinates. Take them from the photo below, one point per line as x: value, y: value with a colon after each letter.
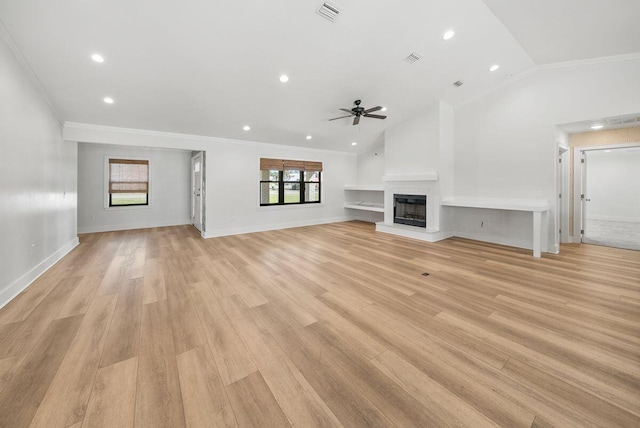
x: 458, y: 83
x: 329, y: 12
x: 412, y: 58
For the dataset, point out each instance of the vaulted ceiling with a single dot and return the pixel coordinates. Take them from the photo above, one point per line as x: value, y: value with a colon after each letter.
x: 209, y: 68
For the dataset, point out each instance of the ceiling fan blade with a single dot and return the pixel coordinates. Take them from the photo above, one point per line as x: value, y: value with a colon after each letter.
x: 372, y: 109
x: 356, y: 120
x: 348, y: 111
x: 341, y: 117
x: 375, y: 116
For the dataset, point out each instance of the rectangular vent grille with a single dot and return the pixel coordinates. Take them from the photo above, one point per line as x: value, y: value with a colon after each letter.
x: 329, y: 12
x: 458, y: 83
x: 412, y: 58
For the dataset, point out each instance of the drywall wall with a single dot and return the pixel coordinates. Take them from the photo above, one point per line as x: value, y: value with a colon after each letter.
x: 169, y: 186
x: 613, y: 184
x: 505, y: 141
x: 232, y: 175
x: 233, y: 189
x: 413, y: 145
x: 370, y: 165
x: 37, y: 181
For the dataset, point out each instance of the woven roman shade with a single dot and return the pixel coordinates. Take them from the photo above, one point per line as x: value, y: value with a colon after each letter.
x: 282, y: 164
x: 312, y: 166
x: 128, y: 176
x: 271, y: 164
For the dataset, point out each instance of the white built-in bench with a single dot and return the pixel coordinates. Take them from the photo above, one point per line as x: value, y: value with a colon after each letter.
x: 535, y: 206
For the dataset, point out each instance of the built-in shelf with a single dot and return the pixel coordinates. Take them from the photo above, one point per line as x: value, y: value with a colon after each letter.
x: 367, y: 187
x: 365, y: 197
x: 531, y: 205
x: 535, y: 206
x: 365, y: 206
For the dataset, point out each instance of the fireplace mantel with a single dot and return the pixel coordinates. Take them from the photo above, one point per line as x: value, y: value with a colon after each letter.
x: 418, y: 176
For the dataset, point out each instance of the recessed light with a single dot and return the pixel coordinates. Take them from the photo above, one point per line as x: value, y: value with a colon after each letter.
x: 97, y: 58
x: 246, y: 128
x: 309, y: 137
x: 597, y: 126
x: 284, y: 78
x: 354, y: 144
x: 607, y: 151
x: 448, y: 34
x: 383, y: 109
x: 494, y: 67
x: 108, y: 100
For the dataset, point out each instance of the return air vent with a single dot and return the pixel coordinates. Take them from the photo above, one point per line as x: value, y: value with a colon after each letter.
x: 458, y: 83
x: 412, y: 58
x: 329, y: 12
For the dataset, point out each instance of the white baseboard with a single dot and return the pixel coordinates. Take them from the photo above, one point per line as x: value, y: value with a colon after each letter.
x: 500, y: 240
x: 613, y: 218
x: 17, y: 286
x: 131, y: 226
x: 266, y: 227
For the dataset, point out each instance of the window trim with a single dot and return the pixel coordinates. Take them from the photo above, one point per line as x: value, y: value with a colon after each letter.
x: 107, y: 195
x: 292, y: 165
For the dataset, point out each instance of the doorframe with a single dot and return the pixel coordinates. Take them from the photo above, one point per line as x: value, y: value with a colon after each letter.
x: 577, y: 182
x: 194, y: 158
x: 562, y: 188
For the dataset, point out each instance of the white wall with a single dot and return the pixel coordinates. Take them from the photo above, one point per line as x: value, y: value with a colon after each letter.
x: 413, y: 145
x: 37, y: 182
x: 232, y: 176
x: 169, y: 185
x: 370, y: 165
x: 613, y: 185
x: 505, y: 141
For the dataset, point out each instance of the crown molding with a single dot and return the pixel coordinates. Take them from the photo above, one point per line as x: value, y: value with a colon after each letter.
x: 103, y: 129
x: 591, y: 61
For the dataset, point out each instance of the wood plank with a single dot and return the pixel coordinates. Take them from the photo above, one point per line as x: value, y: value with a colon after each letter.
x: 254, y: 404
x: 447, y: 406
x: 158, y: 396
x: 123, y: 341
x: 113, y: 398
x: 203, y: 394
x: 187, y: 331
x: 154, y: 288
x: 66, y: 399
x: 20, y: 399
x: 232, y: 358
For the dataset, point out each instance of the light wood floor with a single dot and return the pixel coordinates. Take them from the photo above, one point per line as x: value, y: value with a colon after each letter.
x: 331, y: 325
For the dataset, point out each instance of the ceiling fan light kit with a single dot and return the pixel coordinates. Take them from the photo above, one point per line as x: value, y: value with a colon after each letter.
x: 357, y: 112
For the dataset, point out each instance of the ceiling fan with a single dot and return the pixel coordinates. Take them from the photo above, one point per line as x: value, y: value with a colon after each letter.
x: 357, y: 112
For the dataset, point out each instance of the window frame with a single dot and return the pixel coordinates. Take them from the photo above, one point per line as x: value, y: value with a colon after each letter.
x: 302, y: 185
x: 107, y: 194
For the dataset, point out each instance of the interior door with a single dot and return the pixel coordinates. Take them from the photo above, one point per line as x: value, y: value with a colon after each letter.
x: 583, y: 195
x: 196, y: 191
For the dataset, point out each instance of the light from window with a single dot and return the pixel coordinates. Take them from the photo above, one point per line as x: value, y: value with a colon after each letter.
x: 128, y: 182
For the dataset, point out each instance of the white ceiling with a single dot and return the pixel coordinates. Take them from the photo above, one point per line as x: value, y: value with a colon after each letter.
x: 209, y: 67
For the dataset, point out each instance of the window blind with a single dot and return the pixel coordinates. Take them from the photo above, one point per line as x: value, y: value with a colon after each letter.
x: 128, y: 176
x: 282, y: 164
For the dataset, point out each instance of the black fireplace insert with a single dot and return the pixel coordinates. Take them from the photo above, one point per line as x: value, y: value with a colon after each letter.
x: 410, y: 210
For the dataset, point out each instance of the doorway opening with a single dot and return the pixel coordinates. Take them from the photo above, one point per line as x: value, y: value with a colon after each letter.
x: 608, y: 201
x: 197, y: 190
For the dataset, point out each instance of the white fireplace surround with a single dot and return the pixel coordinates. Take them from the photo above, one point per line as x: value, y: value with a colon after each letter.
x: 425, y: 184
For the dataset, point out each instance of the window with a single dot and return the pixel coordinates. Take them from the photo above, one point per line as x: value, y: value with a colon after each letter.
x: 128, y: 182
x: 284, y: 182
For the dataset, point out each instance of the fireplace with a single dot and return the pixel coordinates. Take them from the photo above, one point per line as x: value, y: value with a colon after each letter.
x: 410, y: 210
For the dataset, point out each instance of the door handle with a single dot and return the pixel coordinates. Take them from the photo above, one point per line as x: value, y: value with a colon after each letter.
x: 588, y: 200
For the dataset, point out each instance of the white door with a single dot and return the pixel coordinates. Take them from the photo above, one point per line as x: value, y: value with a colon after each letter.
x: 196, y: 191
x: 583, y: 195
